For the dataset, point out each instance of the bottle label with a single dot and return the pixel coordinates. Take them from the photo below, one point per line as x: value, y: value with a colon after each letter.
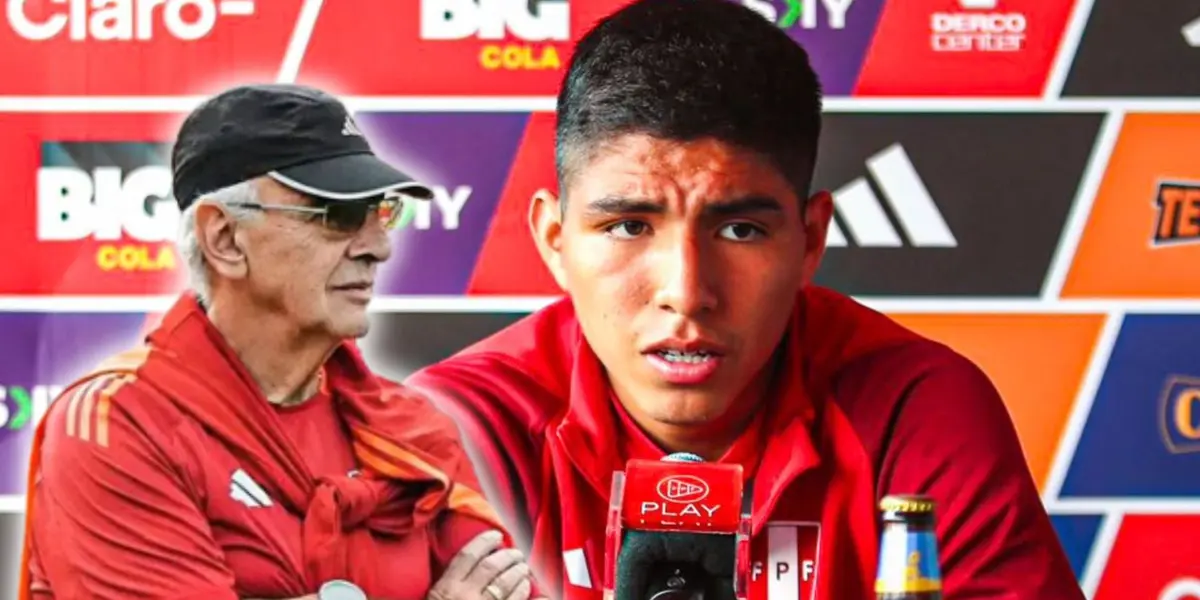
x: 908, y: 562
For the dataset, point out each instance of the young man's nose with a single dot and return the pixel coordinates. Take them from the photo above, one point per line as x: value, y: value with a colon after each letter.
x: 684, y: 286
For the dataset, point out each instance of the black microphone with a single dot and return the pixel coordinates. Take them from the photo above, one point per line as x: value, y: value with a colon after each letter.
x: 676, y: 531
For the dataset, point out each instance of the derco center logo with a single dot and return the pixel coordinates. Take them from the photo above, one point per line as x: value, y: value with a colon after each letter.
x: 978, y: 27
x: 120, y: 21
x: 517, y: 34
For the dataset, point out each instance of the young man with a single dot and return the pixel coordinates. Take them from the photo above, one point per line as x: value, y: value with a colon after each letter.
x: 686, y: 238
x: 247, y: 451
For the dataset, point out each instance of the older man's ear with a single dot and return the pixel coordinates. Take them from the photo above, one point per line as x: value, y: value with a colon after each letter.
x: 217, y: 234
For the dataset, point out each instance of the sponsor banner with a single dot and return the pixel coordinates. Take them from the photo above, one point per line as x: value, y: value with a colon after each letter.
x: 1153, y: 557
x: 1142, y: 437
x: 522, y: 47
x: 95, y: 215
x: 1138, y: 49
x: 141, y: 47
x: 929, y: 205
x: 913, y: 216
x: 1146, y: 215
x: 836, y: 34
x: 466, y: 157
x: 42, y: 353
x: 500, y: 47
x: 447, y: 47
x: 1035, y: 361
x: 90, y: 204
x: 964, y: 48
x: 912, y: 219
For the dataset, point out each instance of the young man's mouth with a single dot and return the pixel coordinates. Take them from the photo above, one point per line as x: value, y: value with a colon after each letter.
x: 684, y: 362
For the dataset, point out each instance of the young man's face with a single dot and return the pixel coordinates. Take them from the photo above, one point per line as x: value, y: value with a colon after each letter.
x: 683, y: 260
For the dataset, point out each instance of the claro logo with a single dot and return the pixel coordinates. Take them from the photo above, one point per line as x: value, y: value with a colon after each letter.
x: 125, y: 20
x: 682, y: 488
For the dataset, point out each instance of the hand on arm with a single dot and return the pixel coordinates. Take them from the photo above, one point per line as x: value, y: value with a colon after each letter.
x: 484, y: 570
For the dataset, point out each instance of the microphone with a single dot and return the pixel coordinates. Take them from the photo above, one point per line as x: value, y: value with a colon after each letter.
x: 676, y: 531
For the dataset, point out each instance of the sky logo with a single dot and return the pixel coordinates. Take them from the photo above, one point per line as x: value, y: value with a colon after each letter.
x: 803, y: 13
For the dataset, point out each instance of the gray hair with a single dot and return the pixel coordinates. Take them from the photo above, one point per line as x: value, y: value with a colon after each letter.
x: 189, y: 244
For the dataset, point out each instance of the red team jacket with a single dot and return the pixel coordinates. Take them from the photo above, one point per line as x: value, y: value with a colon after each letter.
x: 165, y: 474
x: 863, y: 408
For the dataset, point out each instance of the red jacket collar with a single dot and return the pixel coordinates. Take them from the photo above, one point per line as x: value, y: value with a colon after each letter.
x: 827, y: 331
x: 591, y: 423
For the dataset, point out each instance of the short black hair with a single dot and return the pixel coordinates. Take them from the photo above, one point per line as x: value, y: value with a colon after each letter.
x: 687, y: 70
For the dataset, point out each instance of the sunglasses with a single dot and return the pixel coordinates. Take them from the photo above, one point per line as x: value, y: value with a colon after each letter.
x: 343, y: 217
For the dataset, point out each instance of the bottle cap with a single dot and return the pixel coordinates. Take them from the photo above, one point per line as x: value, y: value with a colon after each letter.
x: 338, y: 589
x: 911, y: 504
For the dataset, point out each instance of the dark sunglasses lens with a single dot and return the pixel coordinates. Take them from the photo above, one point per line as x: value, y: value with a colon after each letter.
x: 346, y: 216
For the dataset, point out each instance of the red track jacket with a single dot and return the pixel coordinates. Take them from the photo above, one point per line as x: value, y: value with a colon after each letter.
x: 867, y: 408
x: 166, y: 474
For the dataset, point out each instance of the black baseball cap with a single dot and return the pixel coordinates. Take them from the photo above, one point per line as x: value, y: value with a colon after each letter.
x: 299, y: 136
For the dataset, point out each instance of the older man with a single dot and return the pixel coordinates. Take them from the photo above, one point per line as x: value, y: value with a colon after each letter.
x: 247, y: 450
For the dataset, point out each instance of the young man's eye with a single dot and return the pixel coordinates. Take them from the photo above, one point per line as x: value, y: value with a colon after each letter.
x: 742, y: 232
x: 627, y: 229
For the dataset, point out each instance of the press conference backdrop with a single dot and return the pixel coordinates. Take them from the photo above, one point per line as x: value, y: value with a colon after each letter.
x: 1015, y: 178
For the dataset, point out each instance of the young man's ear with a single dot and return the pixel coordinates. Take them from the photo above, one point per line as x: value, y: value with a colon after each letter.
x: 817, y: 213
x: 545, y: 223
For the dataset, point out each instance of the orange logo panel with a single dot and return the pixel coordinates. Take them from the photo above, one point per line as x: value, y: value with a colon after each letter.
x: 1143, y: 236
x: 1037, y: 363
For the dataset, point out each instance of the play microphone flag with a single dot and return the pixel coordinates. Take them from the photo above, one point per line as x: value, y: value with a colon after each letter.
x: 681, y: 516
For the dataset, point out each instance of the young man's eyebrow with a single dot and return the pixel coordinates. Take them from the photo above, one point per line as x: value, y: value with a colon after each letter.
x: 744, y: 205
x: 619, y: 205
